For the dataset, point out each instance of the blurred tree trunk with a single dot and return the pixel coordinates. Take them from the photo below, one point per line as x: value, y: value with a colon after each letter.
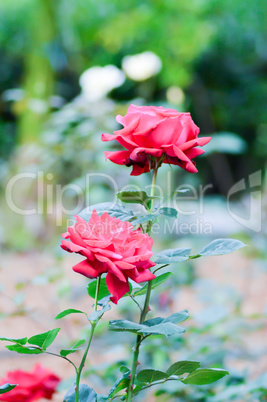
x: 38, y: 73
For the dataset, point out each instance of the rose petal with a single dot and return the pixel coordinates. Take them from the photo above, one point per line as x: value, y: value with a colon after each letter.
x: 111, y: 246
x: 167, y: 132
x: 144, y: 276
x: 189, y: 166
x: 196, y: 142
x: 194, y: 152
x: 116, y: 271
x: 124, y: 265
x: 84, y: 268
x: 137, y: 154
x: 119, y: 157
x: 70, y: 247
x: 116, y: 287
x: 137, y: 170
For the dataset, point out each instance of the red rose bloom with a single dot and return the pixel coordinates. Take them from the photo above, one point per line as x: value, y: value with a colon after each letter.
x: 32, y: 386
x: 113, y: 247
x: 154, y: 131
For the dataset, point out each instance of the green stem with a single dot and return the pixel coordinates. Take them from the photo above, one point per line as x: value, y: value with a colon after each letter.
x: 62, y: 357
x: 162, y: 266
x: 136, y: 302
x: 157, y: 383
x: 93, y: 327
x: 146, y: 304
x: 97, y: 291
x: 153, y: 185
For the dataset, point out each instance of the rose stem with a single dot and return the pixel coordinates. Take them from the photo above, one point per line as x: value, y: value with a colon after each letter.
x: 93, y: 326
x: 146, y: 304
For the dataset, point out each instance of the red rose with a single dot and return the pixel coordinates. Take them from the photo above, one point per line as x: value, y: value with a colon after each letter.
x: 113, y: 247
x: 32, y: 386
x: 154, y: 131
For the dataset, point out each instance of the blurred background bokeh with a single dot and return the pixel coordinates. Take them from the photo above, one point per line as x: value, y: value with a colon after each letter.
x: 67, y: 69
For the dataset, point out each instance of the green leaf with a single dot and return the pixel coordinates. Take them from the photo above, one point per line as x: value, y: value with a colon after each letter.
x: 220, y: 247
x: 172, y: 255
x: 177, y: 317
x: 113, y: 209
x: 125, y: 325
x: 135, y: 197
x: 168, y: 212
x: 26, y: 350
x: 204, y: 376
x: 104, y: 301
x: 101, y: 398
x: 155, y: 282
x: 103, y: 290
x: 124, y: 369
x: 164, y: 328
x: 78, y: 345
x: 182, y: 367
x: 86, y: 394
x: 155, y: 214
x: 45, y: 339
x: 145, y: 218
x: 153, y: 321
x: 149, y: 376
x: 174, y: 318
x: 120, y: 384
x: 67, y: 312
x: 20, y: 341
x: 96, y: 315
x: 6, y: 388
x: 155, y: 326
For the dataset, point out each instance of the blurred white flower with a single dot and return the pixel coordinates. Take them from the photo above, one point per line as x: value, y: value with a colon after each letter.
x: 175, y: 95
x: 142, y: 66
x: 38, y: 106
x: 15, y: 94
x: 56, y: 101
x: 97, y: 81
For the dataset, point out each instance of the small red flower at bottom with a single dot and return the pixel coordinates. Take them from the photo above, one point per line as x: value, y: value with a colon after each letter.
x: 32, y: 386
x: 113, y: 247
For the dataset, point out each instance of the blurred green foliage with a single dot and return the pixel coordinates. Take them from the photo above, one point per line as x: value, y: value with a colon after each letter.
x: 216, y: 336
x: 213, y: 50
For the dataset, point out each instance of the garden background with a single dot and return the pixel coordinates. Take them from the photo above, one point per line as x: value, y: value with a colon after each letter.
x: 203, y: 56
